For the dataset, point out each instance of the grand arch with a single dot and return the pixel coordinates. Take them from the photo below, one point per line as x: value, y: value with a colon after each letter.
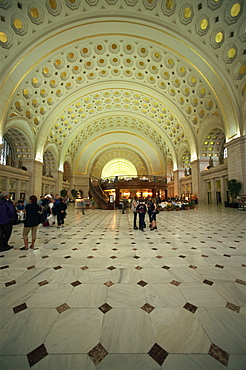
x: 161, y: 73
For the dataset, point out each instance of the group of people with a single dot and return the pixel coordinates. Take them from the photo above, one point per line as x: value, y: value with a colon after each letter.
x: 142, y: 206
x: 53, y: 208
x: 36, y: 212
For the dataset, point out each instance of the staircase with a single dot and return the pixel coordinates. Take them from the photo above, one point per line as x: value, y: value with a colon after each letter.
x: 99, y: 195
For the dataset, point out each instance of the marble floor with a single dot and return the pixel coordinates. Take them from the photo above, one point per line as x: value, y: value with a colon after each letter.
x: 99, y: 295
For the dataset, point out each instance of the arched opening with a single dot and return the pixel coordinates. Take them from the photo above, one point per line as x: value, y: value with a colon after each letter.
x: 119, y: 167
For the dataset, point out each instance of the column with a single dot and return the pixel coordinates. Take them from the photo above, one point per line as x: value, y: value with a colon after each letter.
x: 199, y: 189
x: 222, y: 190
x: 213, y: 191
x: 6, y: 184
x: 117, y: 198
x: 18, y: 189
x: 177, y: 175
x: 35, y: 184
x: 236, y: 160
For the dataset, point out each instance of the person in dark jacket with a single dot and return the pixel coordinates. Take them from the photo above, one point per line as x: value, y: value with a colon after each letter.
x: 141, y: 209
x: 31, y: 222
x: 61, y: 212
x: 7, y: 218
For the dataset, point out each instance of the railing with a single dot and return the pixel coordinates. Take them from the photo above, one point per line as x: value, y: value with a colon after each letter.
x: 98, y: 194
x: 145, y: 178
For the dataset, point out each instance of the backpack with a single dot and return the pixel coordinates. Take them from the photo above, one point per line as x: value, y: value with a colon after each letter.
x: 134, y: 205
x: 141, y: 208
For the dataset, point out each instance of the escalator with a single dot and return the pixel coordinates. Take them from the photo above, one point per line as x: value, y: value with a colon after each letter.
x: 98, y: 194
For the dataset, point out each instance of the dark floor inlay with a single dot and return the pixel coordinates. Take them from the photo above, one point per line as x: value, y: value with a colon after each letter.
x: 97, y: 354
x: 147, y: 308
x: 84, y: 267
x: 23, y: 256
x: 193, y: 267
x: 243, y: 265
x: 43, y: 283
x: 105, y: 308
x: 57, y: 268
x: 142, y: 283
x: 63, y: 307
x: 241, y: 281
x: 158, y: 354
x: 37, y: 354
x: 30, y: 267
x: 114, y: 249
x: 190, y: 307
x: 136, y: 257
x: 166, y: 267
x: 182, y: 256
x: 175, y: 282
x: 109, y: 283
x: 113, y: 257
x: 219, y: 266
x: 12, y: 282
x: 111, y: 268
x: 208, y: 282
x: 90, y: 257
x: 19, y: 308
x: 76, y: 283
x: 67, y: 257
x: 233, y: 307
x: 219, y: 354
x: 138, y: 268
x: 226, y: 255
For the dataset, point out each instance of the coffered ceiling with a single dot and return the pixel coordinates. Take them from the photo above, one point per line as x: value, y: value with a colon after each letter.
x: 148, y: 80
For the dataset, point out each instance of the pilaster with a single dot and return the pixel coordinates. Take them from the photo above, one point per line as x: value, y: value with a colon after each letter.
x: 236, y: 159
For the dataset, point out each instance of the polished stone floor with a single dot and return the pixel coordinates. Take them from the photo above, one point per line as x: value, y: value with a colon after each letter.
x: 99, y: 295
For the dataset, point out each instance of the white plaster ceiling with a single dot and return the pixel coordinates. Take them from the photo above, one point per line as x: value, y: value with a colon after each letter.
x: 78, y: 77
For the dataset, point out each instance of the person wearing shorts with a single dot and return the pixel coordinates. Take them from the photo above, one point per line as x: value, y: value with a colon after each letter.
x: 31, y: 222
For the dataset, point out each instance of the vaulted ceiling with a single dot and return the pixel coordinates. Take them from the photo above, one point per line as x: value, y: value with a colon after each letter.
x: 146, y: 80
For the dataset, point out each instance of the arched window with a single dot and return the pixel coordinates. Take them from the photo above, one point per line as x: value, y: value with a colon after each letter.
x: 119, y: 167
x: 6, y: 153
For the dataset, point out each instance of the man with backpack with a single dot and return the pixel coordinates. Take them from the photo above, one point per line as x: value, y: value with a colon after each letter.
x: 141, y: 209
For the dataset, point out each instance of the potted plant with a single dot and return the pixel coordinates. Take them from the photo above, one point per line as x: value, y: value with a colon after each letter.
x: 169, y: 207
x: 234, y: 188
x: 192, y: 204
x: 93, y: 204
x: 74, y: 193
x: 63, y: 193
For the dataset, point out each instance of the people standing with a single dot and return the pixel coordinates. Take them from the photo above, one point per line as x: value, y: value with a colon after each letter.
x: 124, y: 205
x: 31, y: 222
x: 61, y: 212
x: 7, y: 218
x: 134, y: 209
x: 52, y: 213
x: 46, y: 208
x: 20, y: 207
x: 149, y: 205
x: 141, y: 209
x: 40, y: 201
x: 154, y: 212
x: 83, y: 205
